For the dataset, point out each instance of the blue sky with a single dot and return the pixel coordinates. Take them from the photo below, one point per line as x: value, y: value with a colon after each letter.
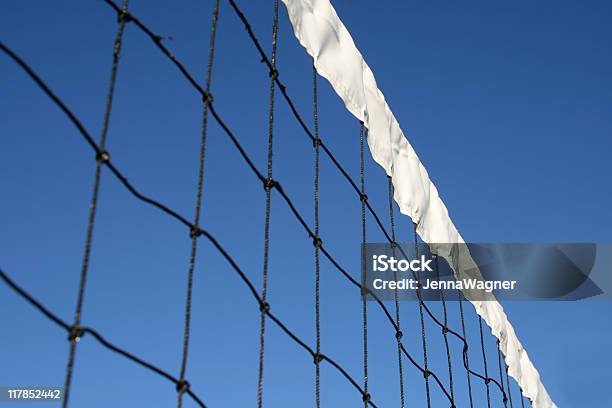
x: 506, y: 104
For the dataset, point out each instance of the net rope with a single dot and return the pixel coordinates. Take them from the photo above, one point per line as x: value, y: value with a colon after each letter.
x: 269, y: 184
x: 183, y: 385
x: 484, y: 361
x: 75, y: 330
x: 426, y: 372
x: 364, y: 303
x: 445, y: 334
x: 316, y: 246
x: 398, y: 334
x: 346, y: 175
x: 466, y: 359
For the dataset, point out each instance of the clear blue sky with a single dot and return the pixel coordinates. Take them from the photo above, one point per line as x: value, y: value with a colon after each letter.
x: 508, y: 106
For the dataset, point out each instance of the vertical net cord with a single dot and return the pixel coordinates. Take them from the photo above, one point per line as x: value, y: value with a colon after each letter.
x: 501, y: 375
x: 183, y: 385
x: 445, y: 334
x: 317, y: 240
x: 423, y: 337
x: 268, y: 187
x: 465, y: 350
x: 484, y: 359
x: 399, y: 334
x: 366, y: 395
x: 508, y: 385
x: 76, y: 330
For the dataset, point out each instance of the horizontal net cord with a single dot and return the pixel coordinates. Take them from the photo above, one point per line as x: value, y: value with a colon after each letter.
x: 274, y: 73
x: 494, y: 315
x: 96, y: 335
x: 192, y: 228
x: 157, y: 40
x: 324, y: 37
x: 208, y: 99
x: 330, y: 155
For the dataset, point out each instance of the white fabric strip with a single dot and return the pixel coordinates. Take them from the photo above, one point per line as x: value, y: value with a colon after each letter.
x: 319, y: 30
